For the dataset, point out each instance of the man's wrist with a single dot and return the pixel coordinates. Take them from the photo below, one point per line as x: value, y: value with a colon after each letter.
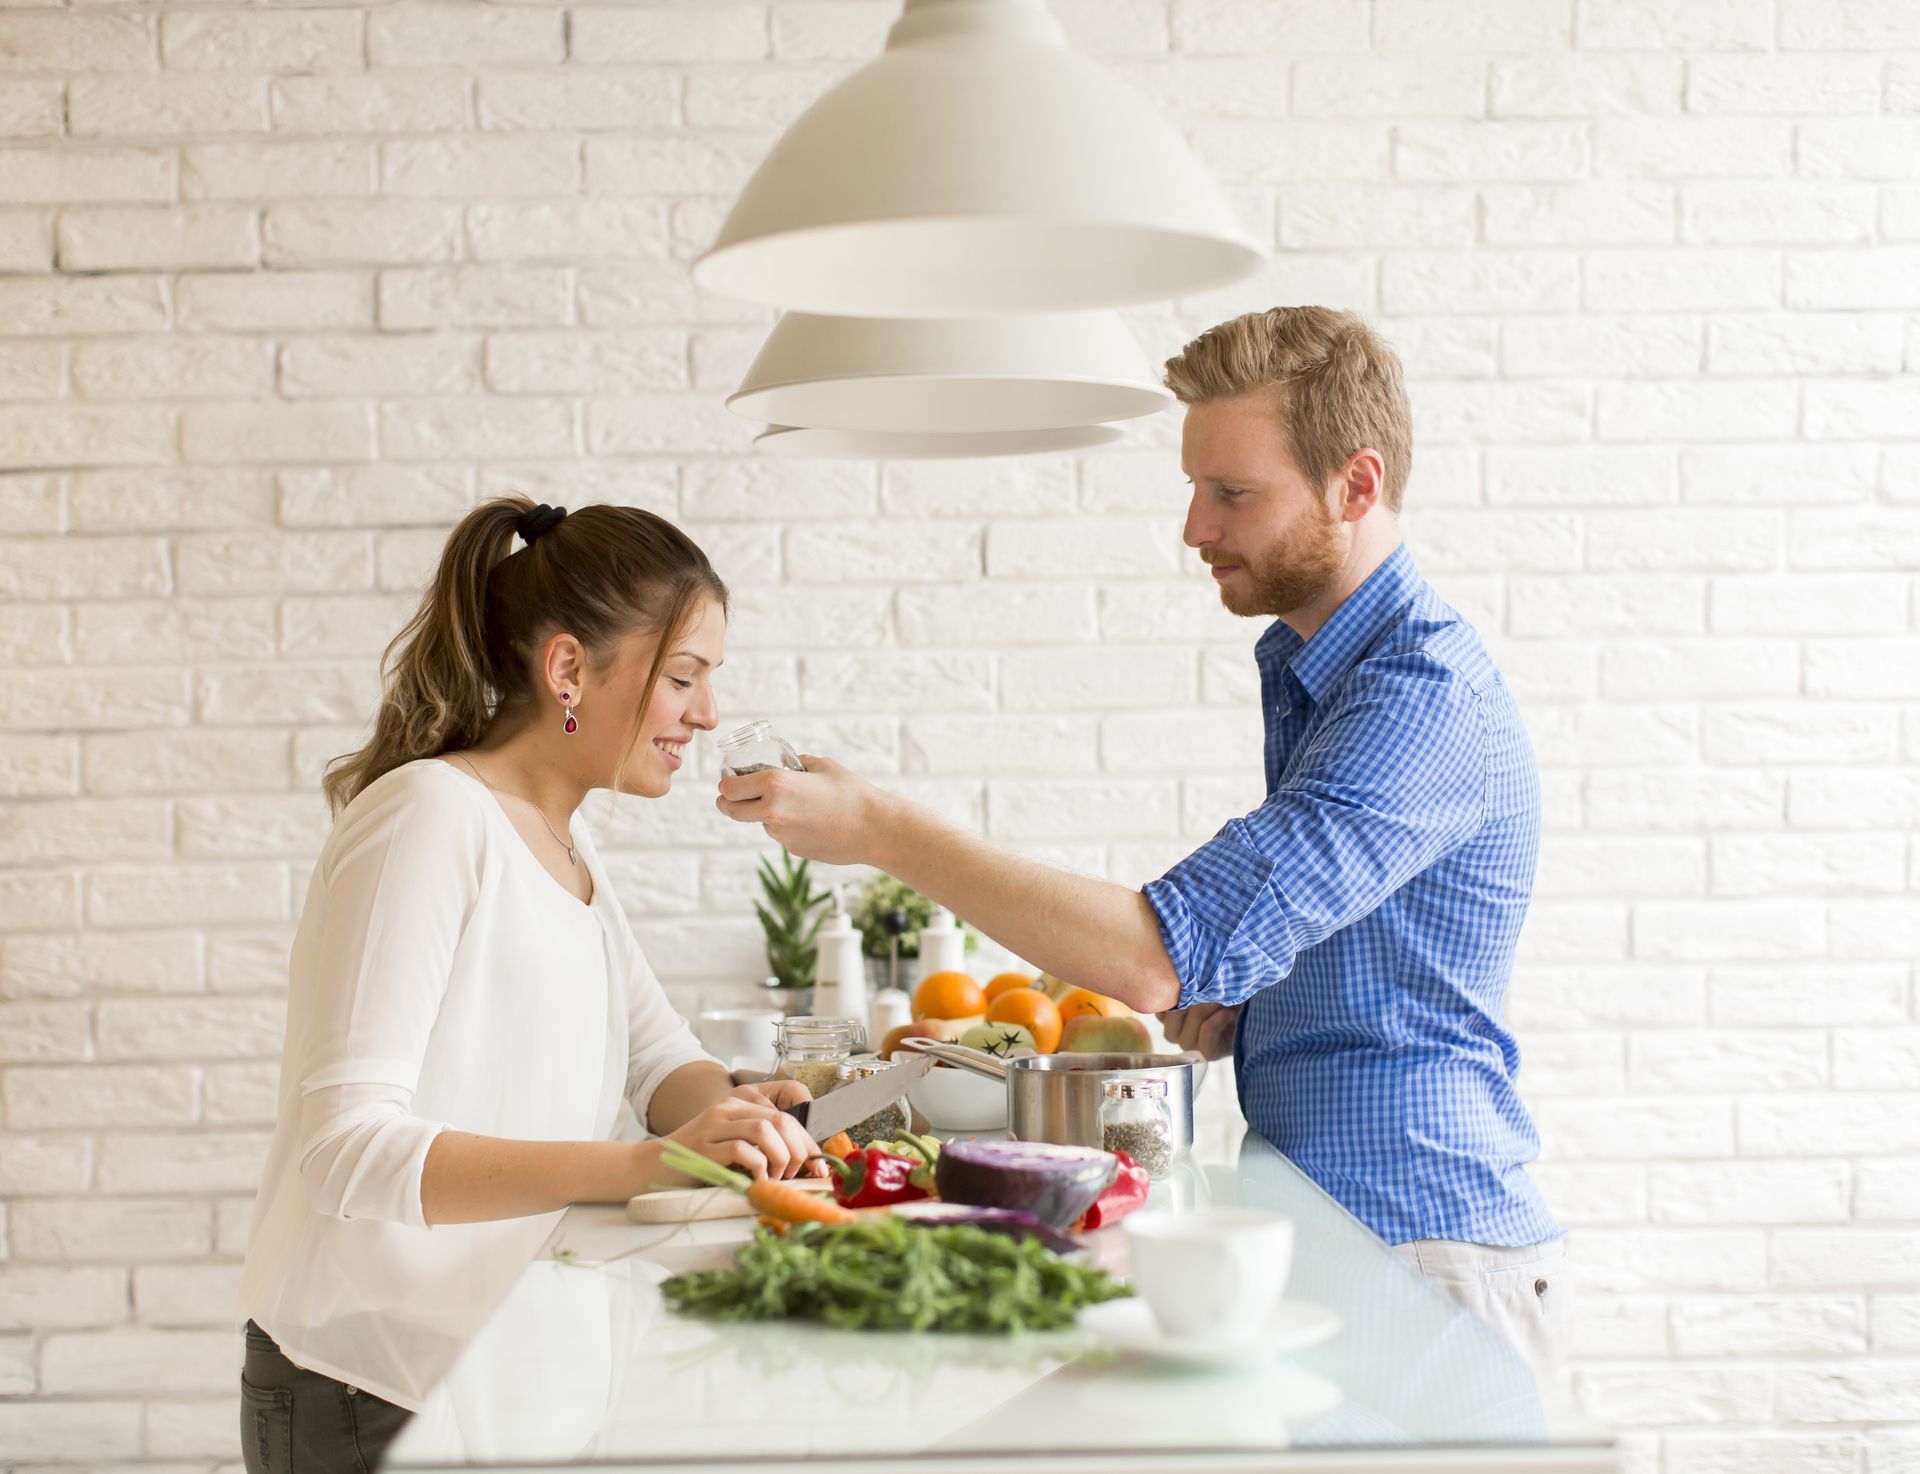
x: 886, y: 825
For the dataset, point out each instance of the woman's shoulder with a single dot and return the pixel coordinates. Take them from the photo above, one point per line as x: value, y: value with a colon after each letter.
x: 425, y: 793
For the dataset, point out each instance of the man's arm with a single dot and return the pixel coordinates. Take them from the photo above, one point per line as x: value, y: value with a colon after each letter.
x: 1393, y: 779
x: 1089, y: 932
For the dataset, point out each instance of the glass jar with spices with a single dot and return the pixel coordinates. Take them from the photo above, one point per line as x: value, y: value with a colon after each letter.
x: 1135, y: 1119
x: 755, y: 748
x: 812, y: 1050
x: 885, y: 1124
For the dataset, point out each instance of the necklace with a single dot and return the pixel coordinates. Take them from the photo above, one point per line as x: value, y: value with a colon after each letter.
x: 573, y: 855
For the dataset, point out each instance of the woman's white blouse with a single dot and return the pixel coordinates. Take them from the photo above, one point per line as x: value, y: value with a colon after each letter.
x: 441, y: 979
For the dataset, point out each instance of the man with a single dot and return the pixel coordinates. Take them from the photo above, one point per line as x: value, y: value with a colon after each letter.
x: 1350, y: 940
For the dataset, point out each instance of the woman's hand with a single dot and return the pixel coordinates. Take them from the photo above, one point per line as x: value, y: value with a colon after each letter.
x: 748, y: 1130
x: 826, y: 814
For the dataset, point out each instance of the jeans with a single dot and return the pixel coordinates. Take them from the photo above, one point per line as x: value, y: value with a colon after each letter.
x: 299, y: 1422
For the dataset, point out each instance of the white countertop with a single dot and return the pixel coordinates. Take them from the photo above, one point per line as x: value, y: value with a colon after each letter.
x: 583, y: 1364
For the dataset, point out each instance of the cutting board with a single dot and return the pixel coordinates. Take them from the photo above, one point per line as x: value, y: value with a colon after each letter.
x: 692, y: 1204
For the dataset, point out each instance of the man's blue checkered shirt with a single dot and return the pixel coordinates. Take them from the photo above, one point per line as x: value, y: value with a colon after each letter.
x: 1367, y: 912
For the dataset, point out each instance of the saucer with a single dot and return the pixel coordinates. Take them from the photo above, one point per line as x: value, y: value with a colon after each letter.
x: 1293, y: 1326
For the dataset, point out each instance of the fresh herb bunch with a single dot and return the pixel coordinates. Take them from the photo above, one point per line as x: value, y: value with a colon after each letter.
x: 881, y: 894
x: 884, y: 1274
x: 791, y: 917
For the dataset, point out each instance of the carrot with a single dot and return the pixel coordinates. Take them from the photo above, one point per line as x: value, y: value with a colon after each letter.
x: 780, y: 1200
x: 839, y: 1145
x: 774, y: 1199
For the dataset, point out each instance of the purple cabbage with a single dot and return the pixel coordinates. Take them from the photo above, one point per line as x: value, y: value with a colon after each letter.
x: 1056, y: 1184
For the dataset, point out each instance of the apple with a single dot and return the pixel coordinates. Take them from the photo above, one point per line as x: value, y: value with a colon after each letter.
x: 947, y: 1031
x: 1088, y: 1034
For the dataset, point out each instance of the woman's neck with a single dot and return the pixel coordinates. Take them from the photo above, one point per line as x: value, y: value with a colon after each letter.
x: 530, y: 765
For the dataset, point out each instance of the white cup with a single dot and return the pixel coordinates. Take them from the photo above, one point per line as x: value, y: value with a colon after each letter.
x: 739, y: 1036
x: 1214, y: 1272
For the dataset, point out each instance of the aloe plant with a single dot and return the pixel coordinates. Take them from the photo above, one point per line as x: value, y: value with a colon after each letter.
x: 791, y: 916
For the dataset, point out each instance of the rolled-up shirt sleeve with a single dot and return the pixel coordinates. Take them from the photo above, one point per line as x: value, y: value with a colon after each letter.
x: 399, y: 888
x: 1394, y: 776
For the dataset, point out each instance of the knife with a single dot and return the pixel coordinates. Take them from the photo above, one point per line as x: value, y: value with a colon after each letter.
x: 854, y: 1102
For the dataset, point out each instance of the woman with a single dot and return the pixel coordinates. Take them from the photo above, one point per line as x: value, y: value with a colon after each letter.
x: 468, y: 1006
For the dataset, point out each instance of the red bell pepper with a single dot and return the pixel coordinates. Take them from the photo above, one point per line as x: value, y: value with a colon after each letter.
x: 874, y: 1178
x: 1127, y: 1191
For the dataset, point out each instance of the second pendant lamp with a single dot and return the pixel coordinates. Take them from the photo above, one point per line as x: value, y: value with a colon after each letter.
x: 944, y: 376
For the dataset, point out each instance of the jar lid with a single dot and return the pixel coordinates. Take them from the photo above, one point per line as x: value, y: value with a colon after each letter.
x: 745, y: 734
x: 1132, y: 1089
x: 808, y: 1032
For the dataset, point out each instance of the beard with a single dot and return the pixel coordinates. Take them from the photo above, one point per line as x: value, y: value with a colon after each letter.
x: 1293, y: 573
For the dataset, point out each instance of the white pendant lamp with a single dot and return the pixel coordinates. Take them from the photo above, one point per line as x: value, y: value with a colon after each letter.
x: 926, y: 445
x: 948, y: 377
x: 977, y: 167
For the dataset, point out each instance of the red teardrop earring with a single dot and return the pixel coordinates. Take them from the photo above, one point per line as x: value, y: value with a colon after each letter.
x: 570, y: 725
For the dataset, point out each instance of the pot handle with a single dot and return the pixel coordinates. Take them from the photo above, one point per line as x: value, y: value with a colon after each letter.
x: 978, y: 1061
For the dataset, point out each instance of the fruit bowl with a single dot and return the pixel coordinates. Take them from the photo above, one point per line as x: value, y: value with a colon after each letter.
x: 958, y: 1100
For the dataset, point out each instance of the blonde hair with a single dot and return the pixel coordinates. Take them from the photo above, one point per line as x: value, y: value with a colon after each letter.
x: 1339, y: 382
x: 599, y: 573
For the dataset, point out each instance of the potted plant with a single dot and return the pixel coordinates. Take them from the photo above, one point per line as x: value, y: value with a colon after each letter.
x: 880, y: 895
x: 790, y: 915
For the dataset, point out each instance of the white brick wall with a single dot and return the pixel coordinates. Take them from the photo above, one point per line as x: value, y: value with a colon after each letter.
x: 286, y: 289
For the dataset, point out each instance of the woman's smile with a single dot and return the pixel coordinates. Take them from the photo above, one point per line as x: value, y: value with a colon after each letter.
x: 670, y: 748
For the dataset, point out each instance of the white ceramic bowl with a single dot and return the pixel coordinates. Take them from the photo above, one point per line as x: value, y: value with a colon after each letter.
x: 953, y: 1099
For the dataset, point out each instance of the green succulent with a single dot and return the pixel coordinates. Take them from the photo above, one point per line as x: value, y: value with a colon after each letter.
x: 791, y: 916
x: 881, y: 894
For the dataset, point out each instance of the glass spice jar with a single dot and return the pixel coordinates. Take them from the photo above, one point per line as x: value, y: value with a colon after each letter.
x: 812, y: 1050
x: 1135, y: 1119
x: 755, y: 748
x: 885, y: 1124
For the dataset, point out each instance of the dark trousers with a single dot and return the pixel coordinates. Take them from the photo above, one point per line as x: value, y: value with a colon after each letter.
x: 300, y: 1422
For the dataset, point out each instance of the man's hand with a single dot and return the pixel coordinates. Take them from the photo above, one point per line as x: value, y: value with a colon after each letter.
x: 1205, y: 1027
x: 826, y: 814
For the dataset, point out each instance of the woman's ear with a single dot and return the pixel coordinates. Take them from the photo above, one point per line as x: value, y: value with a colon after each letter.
x: 565, y: 664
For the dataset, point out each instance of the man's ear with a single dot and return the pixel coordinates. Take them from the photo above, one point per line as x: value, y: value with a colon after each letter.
x: 1361, y: 484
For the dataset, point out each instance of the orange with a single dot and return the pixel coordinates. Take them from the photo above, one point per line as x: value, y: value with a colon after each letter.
x: 948, y: 995
x: 1032, y: 1010
x: 1081, y: 1003
x: 1008, y: 981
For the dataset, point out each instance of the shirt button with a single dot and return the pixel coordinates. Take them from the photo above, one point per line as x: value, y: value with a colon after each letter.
x: 1539, y: 1287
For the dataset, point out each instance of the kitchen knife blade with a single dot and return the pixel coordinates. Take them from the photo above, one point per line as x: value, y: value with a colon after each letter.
x: 854, y: 1102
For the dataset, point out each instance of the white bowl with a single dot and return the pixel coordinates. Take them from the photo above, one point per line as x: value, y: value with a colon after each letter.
x: 954, y: 1099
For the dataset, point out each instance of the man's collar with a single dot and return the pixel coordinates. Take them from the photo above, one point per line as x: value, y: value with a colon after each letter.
x: 1348, y: 633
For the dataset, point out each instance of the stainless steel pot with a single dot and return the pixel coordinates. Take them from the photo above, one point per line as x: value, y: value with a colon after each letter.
x: 1057, y: 1097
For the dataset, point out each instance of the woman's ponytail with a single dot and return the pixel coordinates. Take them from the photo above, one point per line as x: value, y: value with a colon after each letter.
x: 441, y: 683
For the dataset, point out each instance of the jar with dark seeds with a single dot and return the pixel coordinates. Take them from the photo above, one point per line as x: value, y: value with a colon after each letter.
x: 1150, y: 1147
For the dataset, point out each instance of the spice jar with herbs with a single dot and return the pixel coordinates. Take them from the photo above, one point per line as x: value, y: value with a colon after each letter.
x: 812, y: 1050
x: 890, y: 1122
x: 1135, y: 1119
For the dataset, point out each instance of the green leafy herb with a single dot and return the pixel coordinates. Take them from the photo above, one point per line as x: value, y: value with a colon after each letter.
x: 886, y: 1274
